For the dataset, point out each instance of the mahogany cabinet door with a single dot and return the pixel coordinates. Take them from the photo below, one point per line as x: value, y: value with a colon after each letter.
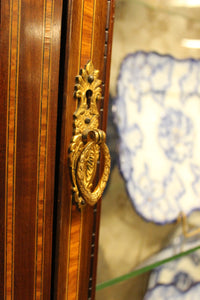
x: 89, y: 35
x: 29, y: 73
x: 48, y: 248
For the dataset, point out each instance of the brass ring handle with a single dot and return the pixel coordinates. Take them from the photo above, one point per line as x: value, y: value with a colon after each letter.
x: 86, y: 169
x: 88, y: 141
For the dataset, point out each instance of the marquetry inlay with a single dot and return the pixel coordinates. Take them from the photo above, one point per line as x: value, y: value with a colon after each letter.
x: 42, y: 148
x: 12, y: 105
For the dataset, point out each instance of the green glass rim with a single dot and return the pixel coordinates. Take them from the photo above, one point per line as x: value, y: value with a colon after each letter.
x: 142, y: 270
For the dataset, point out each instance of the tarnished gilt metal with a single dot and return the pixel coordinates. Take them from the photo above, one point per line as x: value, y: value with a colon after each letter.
x: 88, y: 141
x: 187, y: 231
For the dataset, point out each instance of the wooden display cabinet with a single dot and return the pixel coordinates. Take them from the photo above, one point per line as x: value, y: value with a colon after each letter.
x: 48, y: 247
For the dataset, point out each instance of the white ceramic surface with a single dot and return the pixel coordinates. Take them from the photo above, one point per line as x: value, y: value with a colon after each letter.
x: 178, y: 279
x: 157, y: 113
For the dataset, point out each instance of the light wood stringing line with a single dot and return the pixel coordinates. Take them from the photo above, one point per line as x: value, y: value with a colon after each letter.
x: 42, y: 149
x: 12, y: 105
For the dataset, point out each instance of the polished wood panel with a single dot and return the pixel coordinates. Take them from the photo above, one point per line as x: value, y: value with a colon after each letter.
x: 76, y: 230
x: 10, y: 175
x: 76, y: 235
x: 51, y: 145
x: 4, y: 46
x: 102, y: 27
x: 73, y: 21
x: 42, y: 148
x: 30, y: 61
x: 27, y: 145
x: 30, y: 64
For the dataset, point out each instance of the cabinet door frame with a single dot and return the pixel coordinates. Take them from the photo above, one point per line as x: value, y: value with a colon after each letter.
x: 89, y: 26
x: 29, y: 73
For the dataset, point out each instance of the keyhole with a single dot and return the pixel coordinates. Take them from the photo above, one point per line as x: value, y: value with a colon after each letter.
x: 88, y: 96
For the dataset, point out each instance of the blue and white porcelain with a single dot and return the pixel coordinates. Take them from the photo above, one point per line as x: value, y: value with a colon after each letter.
x: 178, y: 279
x: 164, y: 292
x: 157, y: 113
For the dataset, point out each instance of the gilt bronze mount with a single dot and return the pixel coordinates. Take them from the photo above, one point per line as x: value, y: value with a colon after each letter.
x: 88, y: 141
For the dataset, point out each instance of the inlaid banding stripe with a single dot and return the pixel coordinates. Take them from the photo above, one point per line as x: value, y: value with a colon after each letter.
x: 42, y: 149
x: 87, y: 30
x: 12, y: 104
x: 76, y: 227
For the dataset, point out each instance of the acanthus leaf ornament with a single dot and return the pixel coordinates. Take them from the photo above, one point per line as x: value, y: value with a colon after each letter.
x: 88, y: 141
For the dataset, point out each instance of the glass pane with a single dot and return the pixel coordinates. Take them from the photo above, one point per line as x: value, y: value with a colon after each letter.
x: 133, y: 288
x: 177, y: 278
x: 149, y: 191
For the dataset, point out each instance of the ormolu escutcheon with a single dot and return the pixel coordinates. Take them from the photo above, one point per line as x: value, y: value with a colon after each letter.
x: 88, y: 141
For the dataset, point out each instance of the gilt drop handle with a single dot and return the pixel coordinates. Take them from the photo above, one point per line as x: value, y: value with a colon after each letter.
x: 88, y: 141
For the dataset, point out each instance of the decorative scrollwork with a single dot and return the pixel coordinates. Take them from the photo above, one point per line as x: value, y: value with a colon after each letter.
x: 88, y: 141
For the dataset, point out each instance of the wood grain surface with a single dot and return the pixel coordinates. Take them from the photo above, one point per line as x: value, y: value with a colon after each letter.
x: 30, y: 50
x: 4, y: 46
x: 11, y: 134
x: 30, y: 43
x: 42, y: 148
x: 75, y: 268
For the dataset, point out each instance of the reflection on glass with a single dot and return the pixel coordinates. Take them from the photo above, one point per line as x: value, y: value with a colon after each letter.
x: 188, y: 43
x: 189, y: 3
x: 164, y: 90
x: 133, y: 288
x: 178, y: 279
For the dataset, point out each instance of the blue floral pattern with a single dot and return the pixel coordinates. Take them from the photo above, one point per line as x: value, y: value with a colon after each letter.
x: 170, y: 292
x: 178, y: 279
x: 133, y: 138
x: 176, y: 135
x: 189, y: 81
x: 148, y: 194
x: 157, y: 115
x: 196, y: 182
